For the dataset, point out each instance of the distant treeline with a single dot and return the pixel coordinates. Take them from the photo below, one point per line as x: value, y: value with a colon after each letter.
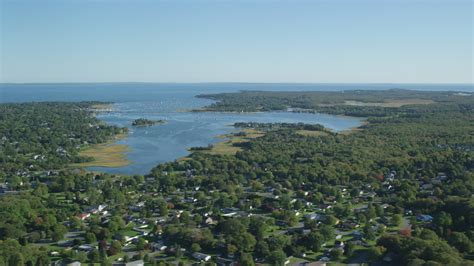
x: 328, y: 102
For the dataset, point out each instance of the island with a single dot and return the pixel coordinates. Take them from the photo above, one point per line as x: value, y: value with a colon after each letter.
x: 143, y: 122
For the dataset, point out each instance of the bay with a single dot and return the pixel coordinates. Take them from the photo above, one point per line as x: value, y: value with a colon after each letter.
x: 161, y: 143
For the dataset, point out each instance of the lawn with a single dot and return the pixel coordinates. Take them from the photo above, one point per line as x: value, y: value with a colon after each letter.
x: 390, y: 103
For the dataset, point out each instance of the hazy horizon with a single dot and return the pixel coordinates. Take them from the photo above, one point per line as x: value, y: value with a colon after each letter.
x: 233, y: 82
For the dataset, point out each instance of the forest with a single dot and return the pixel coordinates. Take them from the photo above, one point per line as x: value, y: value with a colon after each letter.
x: 359, y: 103
x: 46, y: 136
x: 399, y: 190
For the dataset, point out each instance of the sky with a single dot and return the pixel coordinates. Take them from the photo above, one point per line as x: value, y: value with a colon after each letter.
x: 342, y: 41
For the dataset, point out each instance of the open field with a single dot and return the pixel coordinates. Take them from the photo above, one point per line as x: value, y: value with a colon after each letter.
x: 311, y: 133
x: 227, y: 146
x: 105, y: 155
x: 102, y: 107
x: 390, y: 103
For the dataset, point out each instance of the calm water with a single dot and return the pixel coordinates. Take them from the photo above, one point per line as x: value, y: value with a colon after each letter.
x: 163, y: 143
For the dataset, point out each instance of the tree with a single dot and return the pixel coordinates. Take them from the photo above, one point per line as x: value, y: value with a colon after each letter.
x: 397, y: 219
x: 198, y: 218
x: 330, y: 220
x: 52, y: 200
x: 115, y: 247
x: 76, y: 222
x: 246, y: 259
x: 16, y: 259
x: 416, y: 262
x: 262, y: 249
x: 379, y: 210
x: 141, y: 244
x: 314, y: 241
x: 185, y: 217
x: 105, y: 262
x: 374, y: 253
x: 298, y: 205
x: 232, y: 227
x: 41, y: 190
x: 349, y: 249
x: 428, y: 248
x: 327, y: 232
x: 94, y: 256
x: 461, y: 242
x: 277, y: 257
x: 370, y: 212
x: 428, y: 234
x: 231, y: 249
x: 336, y: 253
x: 113, y: 226
x: 277, y: 242
x: 104, y: 234
x: 369, y: 232
x: 90, y: 238
x: 195, y: 247
x: 58, y: 232
x: 257, y: 227
x: 245, y: 242
x: 443, y: 220
x: 81, y: 256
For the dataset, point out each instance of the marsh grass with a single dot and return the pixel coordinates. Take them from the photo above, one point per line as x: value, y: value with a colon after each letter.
x: 106, y: 154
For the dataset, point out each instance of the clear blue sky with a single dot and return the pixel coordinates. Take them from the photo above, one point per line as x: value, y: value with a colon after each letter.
x: 400, y: 41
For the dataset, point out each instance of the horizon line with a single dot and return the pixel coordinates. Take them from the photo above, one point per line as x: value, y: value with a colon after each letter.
x: 230, y: 82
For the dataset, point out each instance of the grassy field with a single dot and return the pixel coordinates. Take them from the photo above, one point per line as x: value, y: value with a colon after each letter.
x: 105, y: 155
x: 227, y: 146
x: 391, y: 103
x: 311, y: 133
x: 102, y: 107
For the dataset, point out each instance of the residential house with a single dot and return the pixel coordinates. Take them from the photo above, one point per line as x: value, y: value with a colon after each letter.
x: 83, y: 216
x: 201, y: 256
x: 424, y: 218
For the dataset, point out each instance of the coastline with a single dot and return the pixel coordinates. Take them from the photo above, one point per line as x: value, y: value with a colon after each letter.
x: 355, y: 129
x: 108, y: 154
x: 226, y: 145
x: 102, y: 107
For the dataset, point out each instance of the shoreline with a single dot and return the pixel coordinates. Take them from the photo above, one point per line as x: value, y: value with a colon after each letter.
x: 225, y: 145
x: 107, y: 154
x: 102, y: 107
x: 354, y: 129
x: 111, y: 155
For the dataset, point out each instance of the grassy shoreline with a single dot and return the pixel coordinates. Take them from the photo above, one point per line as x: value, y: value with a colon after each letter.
x: 226, y: 146
x: 106, y: 154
